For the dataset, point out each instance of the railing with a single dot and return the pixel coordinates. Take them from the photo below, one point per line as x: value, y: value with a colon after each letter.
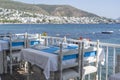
x: 111, y: 51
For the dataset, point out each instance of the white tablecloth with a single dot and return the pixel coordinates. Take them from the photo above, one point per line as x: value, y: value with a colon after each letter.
x: 46, y: 61
x: 42, y: 59
x: 115, y: 76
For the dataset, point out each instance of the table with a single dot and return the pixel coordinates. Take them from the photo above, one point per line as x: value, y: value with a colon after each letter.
x: 48, y: 60
x: 4, y: 45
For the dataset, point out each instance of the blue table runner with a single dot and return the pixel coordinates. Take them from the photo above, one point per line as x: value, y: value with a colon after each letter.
x: 53, y: 50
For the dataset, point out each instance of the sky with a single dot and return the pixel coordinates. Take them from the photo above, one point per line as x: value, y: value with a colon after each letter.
x: 104, y: 8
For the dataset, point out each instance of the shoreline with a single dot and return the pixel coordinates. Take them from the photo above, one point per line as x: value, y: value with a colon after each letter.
x: 54, y: 23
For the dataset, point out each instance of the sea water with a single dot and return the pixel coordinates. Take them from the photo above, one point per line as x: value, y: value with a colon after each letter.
x: 90, y: 31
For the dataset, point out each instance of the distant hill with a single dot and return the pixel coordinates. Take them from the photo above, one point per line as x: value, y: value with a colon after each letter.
x: 55, y: 10
x: 9, y: 4
x: 65, y: 10
x: 118, y: 18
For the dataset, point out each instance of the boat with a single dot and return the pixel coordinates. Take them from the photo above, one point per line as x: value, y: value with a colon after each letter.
x: 107, y: 32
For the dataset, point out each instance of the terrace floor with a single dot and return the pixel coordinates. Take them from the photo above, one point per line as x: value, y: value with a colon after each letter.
x: 20, y: 74
x: 17, y: 75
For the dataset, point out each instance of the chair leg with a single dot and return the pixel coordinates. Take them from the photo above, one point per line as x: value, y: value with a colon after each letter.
x: 96, y: 76
x: 83, y: 76
x: 88, y: 76
x: 52, y: 76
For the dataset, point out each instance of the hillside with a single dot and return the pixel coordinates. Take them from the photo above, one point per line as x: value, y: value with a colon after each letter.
x: 118, y: 18
x: 65, y: 10
x: 54, y: 10
x: 9, y: 4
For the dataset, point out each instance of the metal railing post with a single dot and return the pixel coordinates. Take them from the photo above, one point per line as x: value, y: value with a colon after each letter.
x: 10, y: 47
x: 106, y: 63
x: 114, y: 57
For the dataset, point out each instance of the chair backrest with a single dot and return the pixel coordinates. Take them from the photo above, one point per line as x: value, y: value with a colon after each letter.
x: 70, y: 54
x: 88, y: 67
x: 92, y: 53
x: 33, y: 40
x: 17, y: 43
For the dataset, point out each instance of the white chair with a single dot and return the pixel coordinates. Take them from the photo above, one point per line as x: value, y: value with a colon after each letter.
x: 69, y: 71
x: 15, y: 45
x: 89, y: 69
